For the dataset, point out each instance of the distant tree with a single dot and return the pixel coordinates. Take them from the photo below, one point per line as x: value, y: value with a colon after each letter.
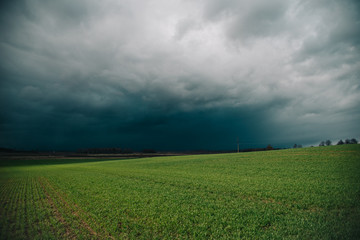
x: 347, y: 141
x: 340, y: 142
x: 353, y: 141
x: 269, y: 147
x: 328, y: 142
x: 295, y: 145
x: 299, y: 146
x: 322, y: 143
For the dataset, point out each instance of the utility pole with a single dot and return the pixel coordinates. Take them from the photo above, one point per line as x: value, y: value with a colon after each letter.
x: 237, y: 141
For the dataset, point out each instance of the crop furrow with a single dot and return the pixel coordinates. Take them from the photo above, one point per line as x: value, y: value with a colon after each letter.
x: 5, y: 208
x: 45, y: 214
x: 5, y: 190
x: 12, y: 210
x: 70, y: 215
x: 36, y: 217
x: 68, y: 231
x: 13, y: 207
x: 81, y: 217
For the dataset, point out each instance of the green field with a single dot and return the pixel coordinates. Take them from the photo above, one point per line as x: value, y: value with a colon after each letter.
x: 310, y: 193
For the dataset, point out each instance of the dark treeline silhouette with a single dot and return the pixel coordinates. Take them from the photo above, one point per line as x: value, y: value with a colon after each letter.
x: 7, y: 150
x: 348, y: 141
x: 118, y: 150
x: 340, y: 142
x: 148, y: 150
x: 10, y: 150
x: 105, y: 150
x: 268, y: 148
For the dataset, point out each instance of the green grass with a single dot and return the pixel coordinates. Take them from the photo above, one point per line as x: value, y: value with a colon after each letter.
x: 310, y: 193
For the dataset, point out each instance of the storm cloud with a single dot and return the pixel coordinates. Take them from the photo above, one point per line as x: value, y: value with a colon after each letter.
x: 178, y: 75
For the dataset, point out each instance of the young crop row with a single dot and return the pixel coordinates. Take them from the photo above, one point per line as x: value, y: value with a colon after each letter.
x: 32, y: 208
x: 24, y: 211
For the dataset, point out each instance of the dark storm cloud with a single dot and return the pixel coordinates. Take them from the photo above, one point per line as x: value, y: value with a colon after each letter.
x: 177, y: 74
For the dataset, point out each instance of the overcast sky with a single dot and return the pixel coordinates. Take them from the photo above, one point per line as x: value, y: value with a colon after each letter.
x: 178, y: 74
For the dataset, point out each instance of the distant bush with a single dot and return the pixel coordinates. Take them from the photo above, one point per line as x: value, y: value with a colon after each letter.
x: 269, y: 147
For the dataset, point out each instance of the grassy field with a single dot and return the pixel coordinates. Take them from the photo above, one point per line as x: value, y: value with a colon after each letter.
x: 310, y: 193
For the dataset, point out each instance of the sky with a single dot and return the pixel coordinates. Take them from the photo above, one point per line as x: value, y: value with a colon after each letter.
x: 176, y: 75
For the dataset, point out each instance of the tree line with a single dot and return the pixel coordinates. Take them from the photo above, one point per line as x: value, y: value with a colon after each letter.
x: 340, y: 142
